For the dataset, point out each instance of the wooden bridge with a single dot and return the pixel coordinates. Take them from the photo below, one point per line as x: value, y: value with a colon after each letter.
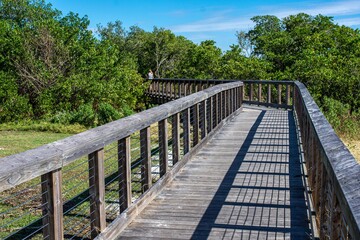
x: 217, y: 160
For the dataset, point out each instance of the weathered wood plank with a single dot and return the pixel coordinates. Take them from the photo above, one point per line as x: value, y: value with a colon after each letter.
x: 145, y: 155
x: 124, y: 160
x: 97, y: 192
x: 235, y: 189
x: 53, y: 205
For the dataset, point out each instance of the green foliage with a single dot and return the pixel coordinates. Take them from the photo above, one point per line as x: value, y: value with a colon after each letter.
x: 107, y: 113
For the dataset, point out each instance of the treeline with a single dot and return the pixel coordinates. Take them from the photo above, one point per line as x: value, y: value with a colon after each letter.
x: 53, y: 67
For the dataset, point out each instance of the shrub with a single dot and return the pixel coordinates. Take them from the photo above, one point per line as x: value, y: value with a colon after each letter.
x: 107, y: 113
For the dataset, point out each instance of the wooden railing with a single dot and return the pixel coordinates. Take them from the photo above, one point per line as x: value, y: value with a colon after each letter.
x: 333, y: 173
x: 91, y: 185
x: 259, y: 92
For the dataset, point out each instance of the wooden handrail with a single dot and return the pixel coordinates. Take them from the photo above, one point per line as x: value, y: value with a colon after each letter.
x: 333, y: 173
x: 48, y: 161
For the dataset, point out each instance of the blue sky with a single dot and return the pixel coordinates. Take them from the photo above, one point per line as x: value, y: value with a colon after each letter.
x: 206, y: 19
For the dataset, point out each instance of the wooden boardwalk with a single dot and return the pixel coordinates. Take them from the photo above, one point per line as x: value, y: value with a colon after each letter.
x: 246, y: 183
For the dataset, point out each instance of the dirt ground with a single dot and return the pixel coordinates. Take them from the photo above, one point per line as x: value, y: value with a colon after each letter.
x: 354, y: 147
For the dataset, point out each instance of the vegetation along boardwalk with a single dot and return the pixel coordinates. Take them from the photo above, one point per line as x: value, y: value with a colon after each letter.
x: 244, y: 184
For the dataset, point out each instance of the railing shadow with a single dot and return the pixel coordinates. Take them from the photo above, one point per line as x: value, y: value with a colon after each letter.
x: 266, y: 204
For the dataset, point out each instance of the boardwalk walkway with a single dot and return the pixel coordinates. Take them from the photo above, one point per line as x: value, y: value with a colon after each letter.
x: 246, y: 183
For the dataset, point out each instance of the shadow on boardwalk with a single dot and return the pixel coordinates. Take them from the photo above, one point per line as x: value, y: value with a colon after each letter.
x: 263, y: 189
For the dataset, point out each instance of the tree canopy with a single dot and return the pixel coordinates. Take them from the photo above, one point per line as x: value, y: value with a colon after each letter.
x: 54, y: 67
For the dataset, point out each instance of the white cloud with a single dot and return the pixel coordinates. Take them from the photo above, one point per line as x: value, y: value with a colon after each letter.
x: 352, y: 22
x: 220, y: 20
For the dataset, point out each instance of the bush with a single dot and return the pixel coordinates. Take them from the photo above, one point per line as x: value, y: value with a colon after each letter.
x: 340, y: 118
x: 85, y: 115
x: 107, y: 113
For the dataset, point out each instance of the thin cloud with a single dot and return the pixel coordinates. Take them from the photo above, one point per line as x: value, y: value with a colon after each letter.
x: 352, y: 22
x: 219, y: 21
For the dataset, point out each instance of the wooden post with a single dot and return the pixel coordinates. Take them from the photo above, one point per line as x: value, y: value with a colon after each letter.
x: 196, y: 125
x: 163, y: 146
x: 217, y: 112
x: 145, y: 152
x: 269, y: 93
x: 251, y: 96
x: 124, y: 160
x: 204, y: 119
x: 259, y: 94
x: 186, y: 122
x: 279, y: 94
x: 176, y: 137
x: 287, y: 95
x: 179, y: 84
x: 97, y: 192
x: 52, y: 205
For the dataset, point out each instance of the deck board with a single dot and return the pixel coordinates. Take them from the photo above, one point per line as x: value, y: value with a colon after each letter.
x: 244, y: 184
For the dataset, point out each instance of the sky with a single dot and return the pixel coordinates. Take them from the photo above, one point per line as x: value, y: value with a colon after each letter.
x: 206, y: 19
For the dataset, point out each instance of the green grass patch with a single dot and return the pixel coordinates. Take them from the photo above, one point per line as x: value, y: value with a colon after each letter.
x: 28, y: 125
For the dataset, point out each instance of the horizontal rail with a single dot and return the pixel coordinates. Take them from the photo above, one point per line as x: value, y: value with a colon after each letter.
x: 333, y: 173
x: 164, y: 138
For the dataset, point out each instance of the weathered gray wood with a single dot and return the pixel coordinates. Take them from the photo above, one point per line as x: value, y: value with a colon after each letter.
x: 251, y: 93
x: 97, y: 192
x: 119, y: 224
x: 176, y: 137
x: 225, y: 189
x: 259, y: 93
x: 196, y: 124
x: 268, y: 94
x: 339, y: 165
x: 279, y: 93
x: 145, y: 152
x: 52, y: 205
x: 163, y: 146
x: 204, y: 118
x: 25, y: 166
x: 186, y: 127
x: 124, y: 159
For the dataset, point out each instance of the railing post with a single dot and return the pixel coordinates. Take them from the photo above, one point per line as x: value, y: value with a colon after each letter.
x: 259, y: 93
x: 176, y: 137
x: 279, y: 93
x: 52, y: 205
x: 186, y: 122
x: 196, y: 125
x: 251, y: 92
x: 97, y: 192
x: 287, y: 96
x: 145, y: 154
x: 163, y: 146
x: 124, y: 160
x: 269, y: 93
x: 204, y: 118
x: 179, y: 84
x: 210, y: 114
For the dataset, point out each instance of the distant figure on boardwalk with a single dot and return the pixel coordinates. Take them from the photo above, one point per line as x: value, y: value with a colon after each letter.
x: 150, y: 75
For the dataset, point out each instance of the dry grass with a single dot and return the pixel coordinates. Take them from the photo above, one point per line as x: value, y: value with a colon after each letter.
x: 353, y: 146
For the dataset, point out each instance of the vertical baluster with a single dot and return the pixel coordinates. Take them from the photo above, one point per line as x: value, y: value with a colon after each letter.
x: 269, y: 94
x: 97, y: 192
x: 251, y: 92
x: 216, y: 110
x: 287, y: 96
x: 145, y: 155
x: 124, y: 161
x: 259, y: 93
x: 279, y: 94
x: 176, y: 137
x: 204, y: 118
x: 163, y: 146
x: 196, y: 125
x: 186, y: 122
x: 52, y: 205
x: 179, y: 85
x: 172, y: 90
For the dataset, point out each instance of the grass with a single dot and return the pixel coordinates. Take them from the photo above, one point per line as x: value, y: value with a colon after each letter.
x: 12, y: 142
x: 75, y: 183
